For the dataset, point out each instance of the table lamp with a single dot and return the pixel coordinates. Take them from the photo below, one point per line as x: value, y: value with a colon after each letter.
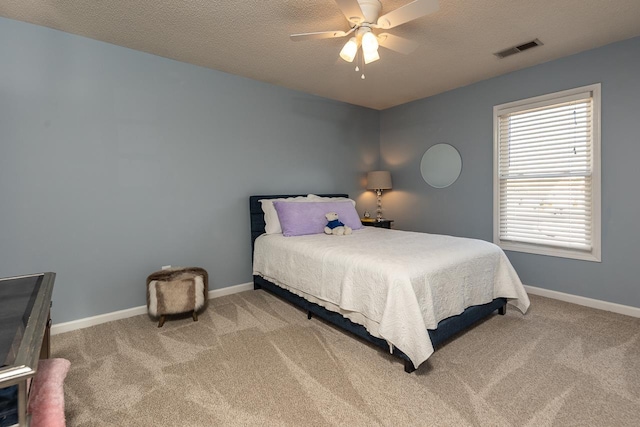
x: 378, y: 181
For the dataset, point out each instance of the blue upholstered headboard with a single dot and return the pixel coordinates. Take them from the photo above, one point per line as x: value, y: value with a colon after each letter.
x: 257, y: 216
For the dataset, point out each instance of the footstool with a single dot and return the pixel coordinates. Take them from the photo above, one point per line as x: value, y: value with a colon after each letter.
x: 177, y: 290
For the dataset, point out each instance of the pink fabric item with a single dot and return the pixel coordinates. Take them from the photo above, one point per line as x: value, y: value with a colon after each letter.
x: 46, y: 398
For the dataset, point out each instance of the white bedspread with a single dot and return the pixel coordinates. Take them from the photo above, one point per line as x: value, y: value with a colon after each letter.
x: 404, y: 282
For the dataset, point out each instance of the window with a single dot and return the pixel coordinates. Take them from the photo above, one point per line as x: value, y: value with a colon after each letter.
x: 547, y: 174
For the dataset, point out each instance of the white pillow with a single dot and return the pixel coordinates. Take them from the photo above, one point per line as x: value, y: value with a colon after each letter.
x: 316, y: 198
x: 271, y: 221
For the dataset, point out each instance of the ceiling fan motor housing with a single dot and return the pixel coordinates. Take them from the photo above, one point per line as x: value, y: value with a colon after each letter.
x: 370, y: 10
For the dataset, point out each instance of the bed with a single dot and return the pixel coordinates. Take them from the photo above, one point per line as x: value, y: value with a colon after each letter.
x: 399, y: 314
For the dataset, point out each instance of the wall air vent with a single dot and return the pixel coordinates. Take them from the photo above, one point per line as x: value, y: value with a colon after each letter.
x: 518, y: 49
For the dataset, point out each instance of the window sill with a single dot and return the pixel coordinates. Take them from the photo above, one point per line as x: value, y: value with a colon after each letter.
x: 593, y: 256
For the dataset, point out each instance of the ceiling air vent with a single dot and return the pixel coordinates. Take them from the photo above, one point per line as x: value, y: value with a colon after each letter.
x: 518, y: 49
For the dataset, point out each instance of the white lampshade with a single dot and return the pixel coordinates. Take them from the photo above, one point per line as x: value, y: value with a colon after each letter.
x: 370, y: 47
x: 369, y: 42
x: 370, y: 56
x: 379, y: 180
x: 348, y: 52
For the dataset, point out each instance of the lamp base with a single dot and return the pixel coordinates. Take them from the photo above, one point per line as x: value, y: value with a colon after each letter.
x: 379, y: 209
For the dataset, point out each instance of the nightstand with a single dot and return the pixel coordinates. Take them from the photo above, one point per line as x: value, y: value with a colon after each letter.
x: 385, y: 223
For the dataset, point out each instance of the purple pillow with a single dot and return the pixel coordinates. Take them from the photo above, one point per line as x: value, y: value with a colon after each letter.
x: 300, y: 218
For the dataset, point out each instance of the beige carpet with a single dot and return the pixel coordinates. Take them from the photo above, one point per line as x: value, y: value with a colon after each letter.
x: 254, y: 360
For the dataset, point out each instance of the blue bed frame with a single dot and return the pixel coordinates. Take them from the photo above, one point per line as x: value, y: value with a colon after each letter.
x: 446, y: 329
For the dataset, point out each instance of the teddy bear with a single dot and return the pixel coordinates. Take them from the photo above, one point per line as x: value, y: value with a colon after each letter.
x: 335, y: 226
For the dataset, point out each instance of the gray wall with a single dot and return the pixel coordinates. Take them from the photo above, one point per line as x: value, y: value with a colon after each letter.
x: 463, y: 118
x: 114, y: 162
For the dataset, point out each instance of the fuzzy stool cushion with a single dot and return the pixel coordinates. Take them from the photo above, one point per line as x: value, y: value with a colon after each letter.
x: 177, y: 290
x: 46, y: 397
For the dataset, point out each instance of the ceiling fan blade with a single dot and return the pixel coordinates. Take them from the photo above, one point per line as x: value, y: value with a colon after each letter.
x: 414, y: 10
x: 396, y: 43
x: 351, y: 10
x: 317, y: 35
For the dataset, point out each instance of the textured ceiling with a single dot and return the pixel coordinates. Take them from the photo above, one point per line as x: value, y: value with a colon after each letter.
x: 251, y: 38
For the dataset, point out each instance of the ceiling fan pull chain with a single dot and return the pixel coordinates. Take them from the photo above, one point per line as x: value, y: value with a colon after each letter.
x: 360, y: 61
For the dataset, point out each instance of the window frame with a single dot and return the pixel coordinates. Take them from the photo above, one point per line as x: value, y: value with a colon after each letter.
x: 541, y: 101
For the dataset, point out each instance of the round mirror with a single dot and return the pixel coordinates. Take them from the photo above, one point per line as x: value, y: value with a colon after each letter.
x: 441, y: 165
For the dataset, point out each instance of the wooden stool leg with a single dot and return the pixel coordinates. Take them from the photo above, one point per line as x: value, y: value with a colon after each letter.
x: 161, y: 321
x: 195, y: 316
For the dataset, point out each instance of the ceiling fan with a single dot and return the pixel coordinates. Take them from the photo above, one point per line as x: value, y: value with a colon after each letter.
x: 363, y: 17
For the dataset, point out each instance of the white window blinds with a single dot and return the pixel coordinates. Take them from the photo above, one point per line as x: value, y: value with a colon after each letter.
x: 545, y: 174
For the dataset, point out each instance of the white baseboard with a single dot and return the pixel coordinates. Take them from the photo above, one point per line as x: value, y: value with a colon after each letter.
x: 587, y: 302
x: 135, y: 311
x: 217, y: 293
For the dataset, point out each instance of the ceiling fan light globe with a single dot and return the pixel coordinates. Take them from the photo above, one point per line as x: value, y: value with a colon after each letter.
x: 370, y: 56
x: 369, y: 42
x: 348, y: 52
